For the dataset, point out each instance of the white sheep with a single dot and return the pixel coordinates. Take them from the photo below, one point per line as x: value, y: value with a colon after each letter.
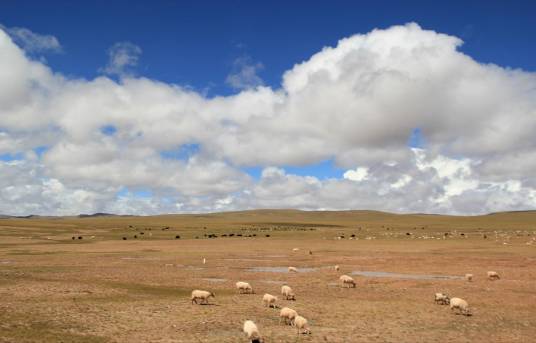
x: 461, y: 305
x: 201, y: 295
x: 269, y: 300
x: 301, y: 324
x: 493, y: 275
x: 469, y: 277
x: 347, y: 281
x: 292, y: 269
x: 296, y: 249
x: 288, y: 293
x: 287, y: 314
x: 337, y: 268
x: 244, y: 287
x: 252, y: 332
x: 442, y: 299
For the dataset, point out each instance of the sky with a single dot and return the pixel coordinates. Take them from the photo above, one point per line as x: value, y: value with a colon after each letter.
x: 168, y: 107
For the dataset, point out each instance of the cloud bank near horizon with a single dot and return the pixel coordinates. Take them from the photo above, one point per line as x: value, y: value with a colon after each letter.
x: 140, y: 146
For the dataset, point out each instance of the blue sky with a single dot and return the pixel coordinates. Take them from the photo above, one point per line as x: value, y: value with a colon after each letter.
x: 199, y: 46
x: 196, y: 43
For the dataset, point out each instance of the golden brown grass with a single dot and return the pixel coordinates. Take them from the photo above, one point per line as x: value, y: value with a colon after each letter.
x: 105, y: 289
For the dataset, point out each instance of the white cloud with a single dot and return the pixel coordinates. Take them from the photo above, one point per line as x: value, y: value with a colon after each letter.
x: 355, y: 103
x: 456, y: 173
x: 32, y: 42
x: 122, y: 57
x: 359, y: 174
x: 403, y: 181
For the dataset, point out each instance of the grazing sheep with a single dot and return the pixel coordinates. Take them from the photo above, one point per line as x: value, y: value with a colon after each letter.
x: 292, y: 269
x: 301, y: 324
x: 296, y: 249
x: 252, y: 332
x: 269, y: 300
x: 202, y: 295
x: 442, y: 299
x: 461, y: 305
x: 493, y: 275
x: 288, y: 315
x: 288, y: 293
x: 469, y: 277
x: 347, y: 281
x: 244, y: 287
x: 337, y: 268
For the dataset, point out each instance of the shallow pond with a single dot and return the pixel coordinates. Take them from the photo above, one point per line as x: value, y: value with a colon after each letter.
x: 274, y: 282
x: 280, y: 269
x: 213, y: 279
x: 406, y: 276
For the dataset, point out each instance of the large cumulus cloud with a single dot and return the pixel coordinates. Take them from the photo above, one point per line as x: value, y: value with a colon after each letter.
x: 355, y: 104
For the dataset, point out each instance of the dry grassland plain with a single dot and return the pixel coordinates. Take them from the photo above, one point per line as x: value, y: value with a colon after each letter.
x: 102, y: 288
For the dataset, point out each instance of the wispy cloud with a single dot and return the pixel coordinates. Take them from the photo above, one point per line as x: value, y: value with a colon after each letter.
x: 244, y: 74
x: 33, y: 42
x: 122, y: 58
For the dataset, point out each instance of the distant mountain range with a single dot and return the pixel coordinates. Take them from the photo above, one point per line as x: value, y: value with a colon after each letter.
x: 264, y: 212
x: 34, y: 216
x: 98, y: 214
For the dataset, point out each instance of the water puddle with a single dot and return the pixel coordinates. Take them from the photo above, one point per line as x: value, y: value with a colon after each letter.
x: 274, y: 282
x: 406, y: 276
x: 213, y: 279
x: 280, y: 269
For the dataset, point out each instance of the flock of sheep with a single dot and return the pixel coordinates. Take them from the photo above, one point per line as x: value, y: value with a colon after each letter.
x: 286, y: 315
x: 459, y: 304
x: 291, y: 317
